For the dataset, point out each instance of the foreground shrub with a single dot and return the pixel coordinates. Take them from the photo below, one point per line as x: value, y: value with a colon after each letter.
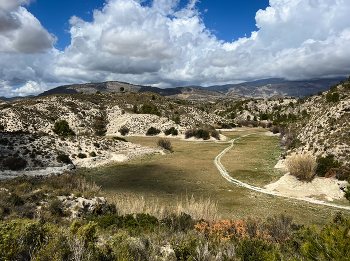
x: 253, y: 250
x: 325, y: 164
x: 152, y: 131
x: 14, y: 163
x: 63, y: 158
x: 165, y: 144
x: 124, y: 130
x: 302, y: 166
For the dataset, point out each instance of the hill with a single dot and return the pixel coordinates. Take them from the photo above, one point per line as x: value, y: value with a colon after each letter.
x: 27, y: 126
x: 318, y: 123
x: 183, y: 93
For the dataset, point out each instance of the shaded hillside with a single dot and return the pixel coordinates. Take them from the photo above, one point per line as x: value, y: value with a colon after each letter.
x: 183, y: 93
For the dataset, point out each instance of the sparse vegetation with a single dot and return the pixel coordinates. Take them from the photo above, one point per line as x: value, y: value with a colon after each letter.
x: 14, y: 163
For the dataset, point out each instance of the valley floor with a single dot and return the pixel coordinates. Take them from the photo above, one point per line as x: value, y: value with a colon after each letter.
x: 190, y: 171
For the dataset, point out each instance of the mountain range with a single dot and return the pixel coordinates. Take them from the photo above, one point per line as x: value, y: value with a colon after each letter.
x: 264, y: 88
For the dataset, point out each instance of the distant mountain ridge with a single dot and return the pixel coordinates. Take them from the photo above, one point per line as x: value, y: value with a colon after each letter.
x: 264, y: 88
x: 268, y: 88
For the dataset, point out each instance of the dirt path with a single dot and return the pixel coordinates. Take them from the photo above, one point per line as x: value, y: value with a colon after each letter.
x: 225, y: 174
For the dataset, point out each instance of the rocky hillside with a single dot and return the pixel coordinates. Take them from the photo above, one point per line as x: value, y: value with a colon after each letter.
x: 27, y: 127
x: 319, y: 123
x: 136, y: 111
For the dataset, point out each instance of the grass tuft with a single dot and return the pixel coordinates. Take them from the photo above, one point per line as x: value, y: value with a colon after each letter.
x: 302, y: 166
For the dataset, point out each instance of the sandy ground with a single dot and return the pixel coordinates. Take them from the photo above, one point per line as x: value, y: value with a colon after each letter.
x: 320, y: 188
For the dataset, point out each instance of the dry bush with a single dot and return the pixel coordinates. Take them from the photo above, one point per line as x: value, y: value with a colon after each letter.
x: 130, y: 204
x: 302, y: 166
x: 165, y: 144
x: 124, y: 130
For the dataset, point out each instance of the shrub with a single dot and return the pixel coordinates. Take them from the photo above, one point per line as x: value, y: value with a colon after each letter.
x: 253, y: 249
x: 171, y: 131
x: 63, y: 158
x: 92, y: 154
x: 100, y: 126
x: 82, y: 156
x: 190, y: 133
x: 55, y: 207
x: 14, y: 163
x: 152, y: 131
x: 302, y: 166
x: 177, y: 120
x: 61, y: 128
x: 124, y: 130
x: 275, y: 129
x: 325, y: 164
x: 332, y: 97
x: 165, y: 144
x: 215, y: 134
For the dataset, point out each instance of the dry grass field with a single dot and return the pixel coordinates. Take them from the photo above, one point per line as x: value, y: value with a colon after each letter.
x: 168, y: 179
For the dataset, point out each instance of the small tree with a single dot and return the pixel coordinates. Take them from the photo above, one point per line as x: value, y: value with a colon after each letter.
x: 61, y: 128
x: 121, y: 89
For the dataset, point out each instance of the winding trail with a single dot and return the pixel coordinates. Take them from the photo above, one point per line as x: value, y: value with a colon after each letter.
x: 225, y: 174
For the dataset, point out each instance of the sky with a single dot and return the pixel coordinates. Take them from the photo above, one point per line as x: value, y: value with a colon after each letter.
x: 169, y: 43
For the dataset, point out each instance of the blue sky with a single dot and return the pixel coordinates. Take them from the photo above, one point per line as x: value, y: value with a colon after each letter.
x: 227, y: 19
x: 169, y: 43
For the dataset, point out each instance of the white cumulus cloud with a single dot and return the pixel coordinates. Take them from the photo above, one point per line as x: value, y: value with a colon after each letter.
x: 162, y: 45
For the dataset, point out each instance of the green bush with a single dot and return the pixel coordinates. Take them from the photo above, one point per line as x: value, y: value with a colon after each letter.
x: 325, y: 164
x: 332, y: 97
x: 253, y: 250
x: 171, y: 131
x: 82, y: 155
x: 92, y: 154
x: 177, y: 120
x: 63, y: 158
x: 55, y: 207
x: 14, y: 163
x: 61, y: 128
x: 148, y: 109
x: 152, y: 131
